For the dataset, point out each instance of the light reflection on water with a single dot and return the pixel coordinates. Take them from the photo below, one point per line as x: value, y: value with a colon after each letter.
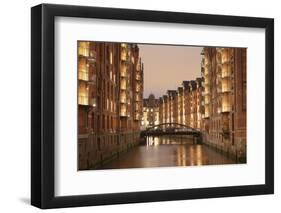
x: 185, y: 152
x: 168, y: 151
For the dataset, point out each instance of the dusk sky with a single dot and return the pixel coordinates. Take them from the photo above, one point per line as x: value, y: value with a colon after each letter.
x: 165, y: 67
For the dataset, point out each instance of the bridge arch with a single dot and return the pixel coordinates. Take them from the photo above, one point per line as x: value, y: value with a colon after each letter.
x: 155, y: 132
x: 170, y: 124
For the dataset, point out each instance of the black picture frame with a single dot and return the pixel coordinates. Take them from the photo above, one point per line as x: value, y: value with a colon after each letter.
x: 43, y: 102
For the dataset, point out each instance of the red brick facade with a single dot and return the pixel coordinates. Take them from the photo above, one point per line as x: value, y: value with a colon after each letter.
x: 110, y: 78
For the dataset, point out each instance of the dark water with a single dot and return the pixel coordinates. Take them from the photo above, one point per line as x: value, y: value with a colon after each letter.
x: 165, y: 151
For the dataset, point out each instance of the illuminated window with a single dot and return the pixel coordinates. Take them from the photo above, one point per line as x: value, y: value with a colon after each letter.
x: 124, y: 55
x: 111, y: 76
x: 226, y: 103
x: 133, y: 59
x: 225, y: 71
x: 83, y: 72
x: 107, y: 103
x: 83, y: 48
x: 123, y: 85
x: 123, y: 70
x: 226, y: 85
x: 124, y: 45
x: 123, y: 110
x: 83, y: 98
x: 225, y: 55
x: 111, y: 57
x: 207, y: 99
x: 123, y: 97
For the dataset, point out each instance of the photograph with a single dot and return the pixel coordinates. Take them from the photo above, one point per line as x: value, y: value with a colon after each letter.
x: 133, y: 105
x: 160, y: 105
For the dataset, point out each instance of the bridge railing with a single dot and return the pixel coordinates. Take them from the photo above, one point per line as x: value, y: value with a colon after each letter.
x: 169, y: 125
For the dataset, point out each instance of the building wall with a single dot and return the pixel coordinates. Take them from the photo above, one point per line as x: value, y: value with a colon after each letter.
x: 224, y: 72
x: 240, y: 100
x: 151, y: 109
x: 180, y: 106
x: 184, y: 105
x: 109, y: 109
x: 214, y: 103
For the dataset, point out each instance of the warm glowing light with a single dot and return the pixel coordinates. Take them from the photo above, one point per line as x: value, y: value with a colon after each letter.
x: 138, y: 76
x: 225, y: 55
x: 111, y: 57
x: 207, y: 112
x: 207, y: 99
x: 225, y: 71
x: 83, y: 48
x: 123, y: 72
x: 138, y: 87
x: 123, y: 85
x: 123, y: 97
x: 83, y: 98
x: 123, y: 110
x: 226, y: 106
x: 226, y: 85
x: 124, y: 55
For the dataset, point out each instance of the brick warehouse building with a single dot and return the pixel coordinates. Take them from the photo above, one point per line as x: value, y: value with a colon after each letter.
x: 150, y: 112
x: 184, y: 105
x: 224, y: 72
x: 214, y: 103
x: 110, y: 90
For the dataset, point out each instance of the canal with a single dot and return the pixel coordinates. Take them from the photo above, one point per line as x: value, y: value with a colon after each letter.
x: 168, y: 151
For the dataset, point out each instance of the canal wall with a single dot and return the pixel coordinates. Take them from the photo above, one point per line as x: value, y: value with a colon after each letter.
x: 234, y: 148
x: 96, y: 150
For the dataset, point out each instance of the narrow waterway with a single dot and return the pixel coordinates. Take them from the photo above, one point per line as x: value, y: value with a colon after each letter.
x: 168, y: 151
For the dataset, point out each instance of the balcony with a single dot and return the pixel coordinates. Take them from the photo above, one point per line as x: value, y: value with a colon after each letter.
x: 138, y: 98
x: 226, y: 108
x: 123, y: 110
x: 123, y: 73
x: 218, y: 57
x: 83, y: 100
x: 83, y: 49
x: 92, y: 56
x: 123, y: 84
x: 86, y: 101
x: 123, y: 98
x: 207, y: 112
x: 138, y: 66
x: 138, y: 77
x: 138, y: 88
x: 226, y: 103
x: 124, y: 45
x: 207, y: 100
x: 85, y: 76
x: 226, y: 86
x: 124, y: 55
x: 226, y: 71
x: 93, y: 102
x: 225, y: 55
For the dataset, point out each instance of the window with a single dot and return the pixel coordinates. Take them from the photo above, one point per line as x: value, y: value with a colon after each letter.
x: 111, y: 57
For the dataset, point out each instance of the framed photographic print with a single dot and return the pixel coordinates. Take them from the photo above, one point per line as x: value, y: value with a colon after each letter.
x: 139, y: 106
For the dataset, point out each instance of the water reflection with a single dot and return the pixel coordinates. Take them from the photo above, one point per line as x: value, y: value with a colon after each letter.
x: 168, y: 151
